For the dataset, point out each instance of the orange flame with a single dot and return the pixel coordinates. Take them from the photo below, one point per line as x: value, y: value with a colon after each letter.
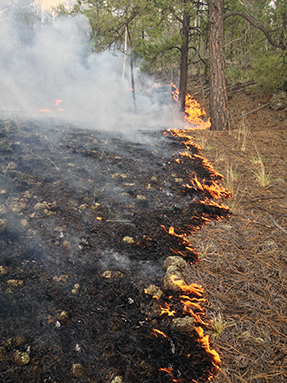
x: 155, y: 332
x: 215, y: 190
x: 193, y: 112
x: 189, y: 289
x: 166, y: 310
x: 169, y: 371
x: 204, y: 341
x: 57, y: 102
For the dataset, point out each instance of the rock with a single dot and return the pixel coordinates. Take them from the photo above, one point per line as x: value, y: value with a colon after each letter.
x: 3, y: 224
x: 154, y: 291
x: 66, y: 245
x: 3, y: 270
x: 107, y: 274
x: 118, y: 379
x: 175, y: 261
x: 15, y: 282
x: 278, y: 101
x: 128, y: 240
x: 78, y: 370
x: 63, y: 316
x: 21, y: 358
x: 184, y: 324
x: 168, y: 284
x: 24, y: 222
x: 61, y: 278
x: 76, y: 288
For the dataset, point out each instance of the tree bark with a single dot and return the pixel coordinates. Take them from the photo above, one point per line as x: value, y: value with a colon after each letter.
x: 184, y: 59
x: 219, y: 114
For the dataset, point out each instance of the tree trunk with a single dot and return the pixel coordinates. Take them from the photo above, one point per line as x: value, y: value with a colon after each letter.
x: 184, y: 59
x: 219, y: 114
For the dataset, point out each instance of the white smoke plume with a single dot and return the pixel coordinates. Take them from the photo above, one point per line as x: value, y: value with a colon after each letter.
x: 53, y: 61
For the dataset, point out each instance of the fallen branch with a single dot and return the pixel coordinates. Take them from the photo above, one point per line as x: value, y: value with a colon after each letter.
x: 252, y: 111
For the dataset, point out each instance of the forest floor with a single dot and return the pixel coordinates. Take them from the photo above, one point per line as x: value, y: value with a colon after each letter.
x: 243, y: 264
x: 87, y: 220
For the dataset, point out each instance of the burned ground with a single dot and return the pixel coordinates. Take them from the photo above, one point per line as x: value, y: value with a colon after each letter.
x: 85, y: 219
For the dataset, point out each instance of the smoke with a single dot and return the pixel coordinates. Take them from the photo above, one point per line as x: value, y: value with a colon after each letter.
x: 42, y: 63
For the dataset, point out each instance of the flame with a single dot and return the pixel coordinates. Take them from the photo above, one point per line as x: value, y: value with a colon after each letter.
x: 44, y: 110
x: 57, y: 102
x: 215, y: 190
x: 189, y: 289
x: 193, y: 112
x: 155, y: 332
x: 169, y: 371
x: 166, y: 310
x: 204, y: 341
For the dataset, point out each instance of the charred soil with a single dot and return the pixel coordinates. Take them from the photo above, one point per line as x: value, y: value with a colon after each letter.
x: 87, y: 221
x: 85, y: 228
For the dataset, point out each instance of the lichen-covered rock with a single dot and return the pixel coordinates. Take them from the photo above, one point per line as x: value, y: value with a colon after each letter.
x: 186, y: 324
x: 167, y: 282
x: 78, y: 370
x: 118, y: 379
x: 278, y: 101
x: 154, y: 291
x: 3, y: 224
x: 21, y: 358
x: 15, y: 282
x: 175, y: 261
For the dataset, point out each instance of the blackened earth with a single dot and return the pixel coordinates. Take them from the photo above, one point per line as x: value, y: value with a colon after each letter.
x: 84, y: 219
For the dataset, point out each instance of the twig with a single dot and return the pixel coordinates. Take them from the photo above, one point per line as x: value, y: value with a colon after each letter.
x: 103, y: 151
x: 268, y: 211
x: 252, y: 111
x: 53, y: 163
x: 277, y: 224
x: 252, y: 220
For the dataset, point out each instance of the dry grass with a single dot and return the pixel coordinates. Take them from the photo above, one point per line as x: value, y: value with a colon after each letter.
x: 244, y: 271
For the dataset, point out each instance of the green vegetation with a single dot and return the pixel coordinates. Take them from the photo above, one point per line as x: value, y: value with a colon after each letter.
x: 255, y: 36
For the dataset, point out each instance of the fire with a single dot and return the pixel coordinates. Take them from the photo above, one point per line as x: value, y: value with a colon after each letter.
x: 214, y: 189
x: 166, y: 310
x: 193, y: 112
x: 47, y: 110
x: 191, y: 296
x: 204, y: 341
x: 155, y: 332
x: 188, y: 289
x: 169, y: 371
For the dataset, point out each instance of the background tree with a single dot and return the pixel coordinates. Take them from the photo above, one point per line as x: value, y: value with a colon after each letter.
x: 219, y: 114
x: 171, y: 40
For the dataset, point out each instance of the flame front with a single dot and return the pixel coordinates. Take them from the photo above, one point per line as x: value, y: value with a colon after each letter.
x: 193, y: 112
x: 204, y: 341
x: 188, y: 289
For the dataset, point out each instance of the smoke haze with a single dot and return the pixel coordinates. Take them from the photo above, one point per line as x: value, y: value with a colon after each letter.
x: 48, y: 62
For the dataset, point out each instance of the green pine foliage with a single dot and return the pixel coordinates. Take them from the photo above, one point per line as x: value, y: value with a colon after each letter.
x: 154, y: 35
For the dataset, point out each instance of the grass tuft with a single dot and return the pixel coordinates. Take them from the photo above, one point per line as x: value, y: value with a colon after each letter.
x: 218, y: 325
